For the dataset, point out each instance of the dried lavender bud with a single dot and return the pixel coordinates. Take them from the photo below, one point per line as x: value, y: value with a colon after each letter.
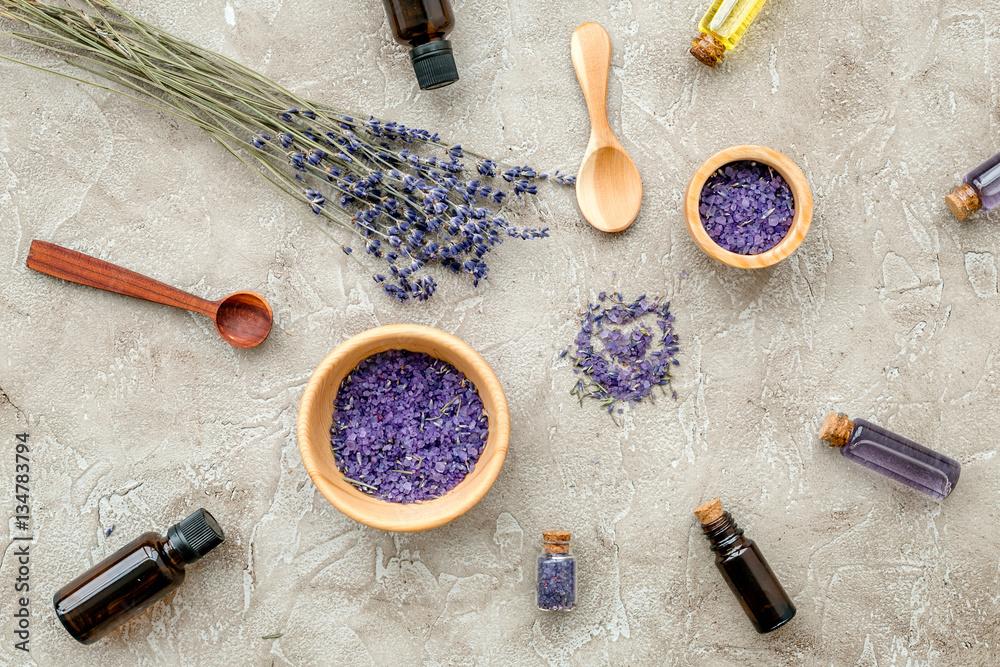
x: 624, y: 351
x: 407, y: 427
x: 419, y: 204
x: 746, y: 207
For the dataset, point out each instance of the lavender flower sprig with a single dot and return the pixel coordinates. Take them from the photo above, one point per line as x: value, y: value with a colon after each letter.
x: 619, y: 354
x: 408, y: 197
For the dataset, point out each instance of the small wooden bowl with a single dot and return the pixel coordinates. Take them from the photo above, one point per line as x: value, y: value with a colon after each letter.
x: 316, y: 418
x: 801, y: 194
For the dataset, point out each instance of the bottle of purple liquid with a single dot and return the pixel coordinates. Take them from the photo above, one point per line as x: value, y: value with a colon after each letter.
x: 892, y: 455
x: 980, y: 189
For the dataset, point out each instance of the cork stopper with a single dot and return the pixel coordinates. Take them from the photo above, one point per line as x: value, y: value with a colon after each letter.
x: 708, y: 49
x: 836, y: 429
x: 709, y: 512
x: 963, y: 200
x: 556, y: 541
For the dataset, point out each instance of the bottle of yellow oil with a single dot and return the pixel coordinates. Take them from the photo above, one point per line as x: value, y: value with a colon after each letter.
x: 721, y: 28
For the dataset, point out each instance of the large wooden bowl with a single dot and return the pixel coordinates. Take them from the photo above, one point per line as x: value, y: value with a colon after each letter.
x: 316, y: 418
x: 800, y: 193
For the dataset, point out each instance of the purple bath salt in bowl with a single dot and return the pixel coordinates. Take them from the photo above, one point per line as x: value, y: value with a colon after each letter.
x: 407, y: 427
x: 746, y: 207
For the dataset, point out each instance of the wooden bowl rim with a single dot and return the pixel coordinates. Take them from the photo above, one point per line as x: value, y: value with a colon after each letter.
x: 801, y: 195
x: 415, y: 516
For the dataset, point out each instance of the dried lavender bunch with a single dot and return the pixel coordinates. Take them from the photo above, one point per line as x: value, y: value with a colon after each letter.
x: 618, y: 355
x: 405, y: 194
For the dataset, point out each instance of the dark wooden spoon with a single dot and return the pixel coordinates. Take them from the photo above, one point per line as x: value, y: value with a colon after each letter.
x: 243, y: 319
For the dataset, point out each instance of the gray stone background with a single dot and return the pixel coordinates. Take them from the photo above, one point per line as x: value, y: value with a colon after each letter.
x: 139, y: 413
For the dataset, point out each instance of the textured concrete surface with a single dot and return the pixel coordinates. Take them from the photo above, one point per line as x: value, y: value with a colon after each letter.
x: 138, y: 413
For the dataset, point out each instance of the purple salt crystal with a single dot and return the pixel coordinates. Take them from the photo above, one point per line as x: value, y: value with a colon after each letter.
x: 758, y: 207
x: 556, y: 583
x: 407, y: 427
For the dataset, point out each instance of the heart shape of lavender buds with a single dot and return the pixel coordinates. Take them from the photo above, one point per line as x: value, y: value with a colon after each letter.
x: 623, y: 350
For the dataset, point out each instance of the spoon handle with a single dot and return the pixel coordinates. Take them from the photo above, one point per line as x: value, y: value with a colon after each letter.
x: 590, y: 49
x: 77, y: 267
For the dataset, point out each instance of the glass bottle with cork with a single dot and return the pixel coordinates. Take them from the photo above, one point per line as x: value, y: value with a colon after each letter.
x: 134, y: 577
x: 742, y: 565
x: 892, y: 455
x: 423, y: 25
x: 556, y: 573
x: 980, y: 189
x: 722, y: 27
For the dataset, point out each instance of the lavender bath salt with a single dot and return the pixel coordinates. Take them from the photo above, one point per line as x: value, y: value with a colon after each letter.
x: 746, y: 207
x: 556, y: 573
x: 407, y: 427
x: 556, y: 584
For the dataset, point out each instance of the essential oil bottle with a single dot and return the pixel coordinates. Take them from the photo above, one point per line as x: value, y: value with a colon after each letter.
x: 980, y: 189
x: 892, y: 455
x: 745, y: 570
x: 134, y: 577
x: 423, y: 25
x: 556, y: 573
x: 721, y: 28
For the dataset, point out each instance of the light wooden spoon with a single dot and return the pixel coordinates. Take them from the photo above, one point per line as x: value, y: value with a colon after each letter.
x: 608, y: 187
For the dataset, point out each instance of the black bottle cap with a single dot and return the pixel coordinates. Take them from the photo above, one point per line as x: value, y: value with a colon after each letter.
x: 434, y: 64
x: 196, y: 535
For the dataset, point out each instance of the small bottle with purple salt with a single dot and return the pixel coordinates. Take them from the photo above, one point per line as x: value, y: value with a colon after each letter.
x: 556, y: 573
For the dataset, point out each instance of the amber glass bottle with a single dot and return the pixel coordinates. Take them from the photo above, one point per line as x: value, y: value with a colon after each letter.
x: 423, y: 26
x: 745, y: 570
x: 134, y: 577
